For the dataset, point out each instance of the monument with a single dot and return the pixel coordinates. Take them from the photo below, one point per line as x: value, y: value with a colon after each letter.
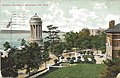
x: 36, y: 29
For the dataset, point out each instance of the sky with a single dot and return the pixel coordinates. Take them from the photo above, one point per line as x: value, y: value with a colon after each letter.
x: 68, y: 15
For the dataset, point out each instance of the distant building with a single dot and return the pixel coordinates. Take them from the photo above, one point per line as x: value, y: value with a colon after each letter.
x: 96, y: 31
x: 36, y: 29
x: 113, y: 40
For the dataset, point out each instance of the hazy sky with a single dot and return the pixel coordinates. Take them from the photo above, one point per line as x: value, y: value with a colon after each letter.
x: 66, y: 14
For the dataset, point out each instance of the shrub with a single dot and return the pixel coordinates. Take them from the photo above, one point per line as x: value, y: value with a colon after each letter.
x: 9, y: 73
x: 103, y: 52
x: 93, y: 60
x: 83, y: 62
x: 73, y: 58
x: 71, y: 61
x: 79, y: 57
x: 70, y: 55
x: 81, y: 53
x: 86, y: 60
x: 68, y: 58
x: 88, y: 52
x: 62, y: 57
x: 78, y: 61
x: 91, y: 52
x: 84, y: 52
x: 112, y: 68
x: 55, y: 61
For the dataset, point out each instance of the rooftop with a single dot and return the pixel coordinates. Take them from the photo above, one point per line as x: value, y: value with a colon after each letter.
x: 116, y: 29
x: 35, y: 18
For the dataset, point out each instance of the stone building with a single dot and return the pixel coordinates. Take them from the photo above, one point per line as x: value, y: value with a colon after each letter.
x: 96, y: 31
x: 36, y: 29
x: 113, y: 40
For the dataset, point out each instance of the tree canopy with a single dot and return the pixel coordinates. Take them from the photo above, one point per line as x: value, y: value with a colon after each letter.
x: 112, y: 68
x: 53, y: 41
x: 83, y: 40
x: 29, y: 58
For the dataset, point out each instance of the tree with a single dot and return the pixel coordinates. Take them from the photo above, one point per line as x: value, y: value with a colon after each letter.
x: 70, y: 40
x: 62, y: 57
x: 23, y: 42
x: 29, y: 58
x: 85, y: 32
x: 71, y: 61
x: 34, y: 59
x: 79, y: 40
x: 8, y: 65
x: 85, y: 44
x: 57, y: 49
x: 54, y: 42
x: 73, y: 58
x: 68, y: 59
x: 95, y: 42
x: 52, y: 36
x: 102, y: 41
x: 55, y: 61
x: 83, y: 40
x: 98, y: 41
x: 45, y: 54
x: 112, y: 68
x: 78, y: 59
x: 6, y: 45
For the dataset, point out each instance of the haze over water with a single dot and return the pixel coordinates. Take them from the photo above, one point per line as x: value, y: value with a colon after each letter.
x: 15, y: 38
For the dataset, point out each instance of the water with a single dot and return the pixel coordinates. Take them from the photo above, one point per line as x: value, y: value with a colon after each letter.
x: 15, y: 38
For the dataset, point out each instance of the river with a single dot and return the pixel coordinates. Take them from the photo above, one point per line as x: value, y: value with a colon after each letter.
x: 15, y: 38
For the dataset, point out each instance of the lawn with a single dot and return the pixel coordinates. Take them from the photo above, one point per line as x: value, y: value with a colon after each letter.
x: 78, y: 71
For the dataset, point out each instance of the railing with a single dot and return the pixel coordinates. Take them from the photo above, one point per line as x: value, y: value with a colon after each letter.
x: 42, y: 72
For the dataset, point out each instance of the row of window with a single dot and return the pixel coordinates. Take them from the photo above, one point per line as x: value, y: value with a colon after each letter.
x: 116, y: 43
x: 116, y: 36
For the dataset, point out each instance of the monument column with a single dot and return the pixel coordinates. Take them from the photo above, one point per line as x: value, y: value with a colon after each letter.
x: 36, y: 29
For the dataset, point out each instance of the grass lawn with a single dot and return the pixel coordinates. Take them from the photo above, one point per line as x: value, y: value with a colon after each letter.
x: 78, y: 71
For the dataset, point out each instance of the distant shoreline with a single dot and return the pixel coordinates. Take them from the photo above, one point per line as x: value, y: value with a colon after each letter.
x: 14, y: 31
x: 17, y: 31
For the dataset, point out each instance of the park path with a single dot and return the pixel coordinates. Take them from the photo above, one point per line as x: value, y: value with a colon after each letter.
x: 23, y: 74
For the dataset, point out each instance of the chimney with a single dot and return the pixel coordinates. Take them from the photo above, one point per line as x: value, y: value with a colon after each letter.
x: 112, y: 24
